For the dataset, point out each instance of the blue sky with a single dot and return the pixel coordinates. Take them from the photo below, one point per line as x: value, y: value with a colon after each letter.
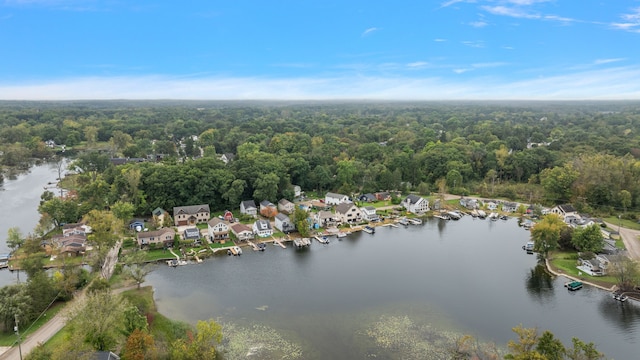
x: 250, y: 49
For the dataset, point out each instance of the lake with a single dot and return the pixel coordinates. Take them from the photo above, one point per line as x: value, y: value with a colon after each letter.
x: 334, y: 301
x: 19, y: 200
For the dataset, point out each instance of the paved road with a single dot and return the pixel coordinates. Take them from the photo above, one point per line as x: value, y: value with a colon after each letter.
x: 631, y: 239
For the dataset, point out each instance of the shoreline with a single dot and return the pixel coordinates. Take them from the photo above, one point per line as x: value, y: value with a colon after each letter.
x: 570, y: 277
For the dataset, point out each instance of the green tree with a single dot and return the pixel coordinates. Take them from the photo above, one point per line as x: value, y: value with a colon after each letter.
x: 201, y: 345
x: 546, y: 234
x: 134, y: 320
x: 625, y: 199
x: 550, y: 346
x: 583, y: 351
x: 14, y: 238
x: 626, y: 271
x: 266, y: 187
x: 588, y: 239
x: 301, y: 221
x: 122, y: 210
x: 100, y: 323
x: 525, y: 347
x: 136, y: 266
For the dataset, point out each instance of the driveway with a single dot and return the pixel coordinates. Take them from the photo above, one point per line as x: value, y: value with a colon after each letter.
x: 631, y: 239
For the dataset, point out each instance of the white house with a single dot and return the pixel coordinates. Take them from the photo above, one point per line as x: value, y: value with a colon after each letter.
x: 297, y: 191
x: 218, y: 230
x: 242, y: 231
x: 283, y: 223
x: 565, y: 211
x: 415, y: 204
x: 326, y: 218
x: 286, y: 206
x: 348, y: 213
x: 248, y: 207
x: 262, y: 228
x: 369, y: 213
x: 335, y: 199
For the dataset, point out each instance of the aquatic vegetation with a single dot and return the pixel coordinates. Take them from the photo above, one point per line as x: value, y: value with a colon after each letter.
x: 257, y: 342
x: 405, y: 339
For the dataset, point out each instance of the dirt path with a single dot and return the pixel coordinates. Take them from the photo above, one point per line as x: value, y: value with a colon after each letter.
x: 631, y: 239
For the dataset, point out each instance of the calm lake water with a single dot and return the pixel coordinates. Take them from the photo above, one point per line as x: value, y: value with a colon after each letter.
x: 19, y: 200
x: 468, y: 276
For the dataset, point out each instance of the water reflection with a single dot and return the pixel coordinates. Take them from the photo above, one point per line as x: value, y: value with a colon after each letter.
x: 623, y: 315
x: 540, y: 284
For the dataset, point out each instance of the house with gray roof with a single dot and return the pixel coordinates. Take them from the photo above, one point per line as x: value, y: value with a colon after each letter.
x: 164, y: 237
x: 262, y: 228
x: 283, y: 223
x: 349, y: 213
x: 191, y: 215
x: 248, y: 207
x: 335, y: 199
x: 286, y: 206
x: 415, y: 204
x: 218, y: 230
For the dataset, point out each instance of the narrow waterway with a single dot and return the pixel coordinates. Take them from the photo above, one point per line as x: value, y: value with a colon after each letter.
x: 19, y: 200
x: 468, y: 276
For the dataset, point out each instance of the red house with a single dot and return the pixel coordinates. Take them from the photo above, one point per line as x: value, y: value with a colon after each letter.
x: 228, y: 216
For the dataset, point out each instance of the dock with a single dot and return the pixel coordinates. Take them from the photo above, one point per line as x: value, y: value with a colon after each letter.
x: 278, y: 242
x: 234, y: 250
x: 302, y: 242
x: 253, y: 246
x: 391, y: 225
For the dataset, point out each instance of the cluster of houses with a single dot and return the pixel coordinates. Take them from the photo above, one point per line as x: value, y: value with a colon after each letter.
x: 72, y: 241
x: 334, y: 210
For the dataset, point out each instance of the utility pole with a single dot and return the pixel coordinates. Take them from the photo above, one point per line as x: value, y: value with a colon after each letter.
x: 18, y: 334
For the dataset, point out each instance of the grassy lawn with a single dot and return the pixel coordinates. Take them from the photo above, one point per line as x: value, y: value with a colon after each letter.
x: 159, y: 254
x: 8, y: 338
x: 565, y: 262
x: 629, y: 224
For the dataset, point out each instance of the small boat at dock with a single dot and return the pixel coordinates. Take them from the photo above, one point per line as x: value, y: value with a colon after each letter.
x: 369, y: 230
x: 301, y: 242
x: 340, y: 235
x: 454, y: 215
x: 403, y: 221
x: 234, y: 250
x: 416, y: 221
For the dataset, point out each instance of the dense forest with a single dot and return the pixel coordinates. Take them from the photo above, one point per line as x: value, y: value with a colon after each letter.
x: 586, y: 153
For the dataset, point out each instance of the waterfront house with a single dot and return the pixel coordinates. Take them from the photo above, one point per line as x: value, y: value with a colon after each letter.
x: 191, y: 215
x: 191, y: 234
x: 415, y: 204
x: 283, y: 223
x: 566, y: 212
x: 218, y: 230
x: 491, y: 205
x: 509, y: 207
x: 70, y: 243
x: 286, y: 206
x: 325, y: 218
x: 242, y: 232
x: 335, y: 199
x: 591, y: 267
x: 248, y: 207
x: 348, y: 213
x: 369, y: 213
x: 268, y: 209
x: 470, y: 204
x: 262, y: 228
x: 163, y: 237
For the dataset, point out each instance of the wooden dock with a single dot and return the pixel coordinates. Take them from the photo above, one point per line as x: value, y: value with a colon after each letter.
x: 253, y: 246
x: 278, y: 242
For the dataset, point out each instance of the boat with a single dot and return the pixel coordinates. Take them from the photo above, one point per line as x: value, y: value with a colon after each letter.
x: 369, y: 230
x: 403, y: 221
x: 504, y: 217
x: 234, y: 250
x: 341, y: 235
x: 442, y: 216
x: 493, y: 216
x: 454, y: 215
x: 573, y: 285
x: 528, y: 247
x: 416, y: 221
x: 482, y: 214
x: 620, y: 297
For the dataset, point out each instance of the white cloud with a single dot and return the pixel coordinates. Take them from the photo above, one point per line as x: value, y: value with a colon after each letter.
x: 369, y: 31
x: 631, y: 21
x: 453, y: 2
x: 474, y: 44
x: 439, y: 40
x: 608, y: 61
x: 510, y: 11
x: 610, y: 83
x: 478, y: 24
x: 417, y: 64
